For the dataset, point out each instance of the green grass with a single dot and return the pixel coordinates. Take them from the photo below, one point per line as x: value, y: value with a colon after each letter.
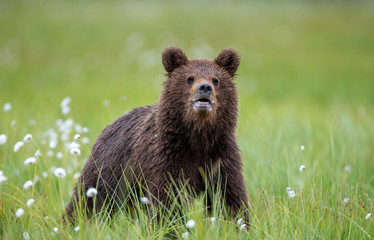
x: 306, y: 78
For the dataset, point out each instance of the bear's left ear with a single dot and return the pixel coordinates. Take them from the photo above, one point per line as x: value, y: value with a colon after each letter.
x: 229, y: 60
x: 172, y: 58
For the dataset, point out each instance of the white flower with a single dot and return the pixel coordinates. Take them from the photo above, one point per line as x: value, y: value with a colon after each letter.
x: 3, y: 138
x: 144, y: 200
x: 212, y: 220
x: 28, y: 184
x: 20, y: 212
x: 29, y: 161
x: 368, y: 216
x: 60, y: 172
x: 85, y: 130
x: 55, y: 229
x: 2, y: 178
x: 77, y: 175
x: 13, y: 123
x: 78, y: 128
x: 75, y: 151
x: 66, y: 101
x: 18, y: 145
x: 77, y: 136
x: 190, y: 223
x: 73, y: 145
x: 302, y: 148
x: 106, y: 103
x: 76, y: 229
x: 7, y: 107
x: 185, y: 235
x: 345, y: 200
x: 37, y: 153
x: 347, y: 168
x: 291, y: 194
x: 240, y: 221
x: 53, y: 143
x: 65, y: 110
x: 59, y: 155
x: 46, y: 217
x: 242, y: 227
x: 26, y: 235
x: 30, y: 202
x: 44, y: 174
x: 27, y: 138
x: 288, y: 189
x: 85, y: 140
x: 50, y: 153
x: 301, y: 168
x: 91, y: 192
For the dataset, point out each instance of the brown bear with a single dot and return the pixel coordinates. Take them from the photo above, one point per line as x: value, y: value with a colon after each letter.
x: 189, y: 133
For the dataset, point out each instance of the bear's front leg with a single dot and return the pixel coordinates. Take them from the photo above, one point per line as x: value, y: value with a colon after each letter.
x: 233, y: 187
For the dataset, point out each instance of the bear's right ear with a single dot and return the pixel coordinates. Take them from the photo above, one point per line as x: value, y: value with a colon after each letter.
x: 172, y: 58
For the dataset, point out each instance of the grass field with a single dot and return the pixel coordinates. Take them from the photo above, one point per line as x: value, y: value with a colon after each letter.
x: 306, y: 79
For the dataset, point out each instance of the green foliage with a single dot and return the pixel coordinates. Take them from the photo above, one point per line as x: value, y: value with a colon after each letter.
x: 305, y: 80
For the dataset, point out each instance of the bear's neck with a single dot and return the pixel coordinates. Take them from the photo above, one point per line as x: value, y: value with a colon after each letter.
x: 198, y: 136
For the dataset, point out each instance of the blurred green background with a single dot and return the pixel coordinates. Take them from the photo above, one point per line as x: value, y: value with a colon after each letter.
x: 306, y: 55
x: 306, y: 78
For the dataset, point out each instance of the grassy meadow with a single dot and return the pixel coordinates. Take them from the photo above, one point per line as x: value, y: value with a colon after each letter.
x: 306, y: 90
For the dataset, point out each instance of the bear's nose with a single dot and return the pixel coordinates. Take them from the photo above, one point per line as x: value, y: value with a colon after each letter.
x: 205, y: 89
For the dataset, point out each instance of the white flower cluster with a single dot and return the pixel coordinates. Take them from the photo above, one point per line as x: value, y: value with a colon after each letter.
x: 60, y: 172
x: 7, y: 107
x: 65, y: 108
x: 3, y: 139
x: 74, y: 149
x: 302, y: 168
x: 241, y: 224
x: 2, y: 177
x: 144, y: 200
x: 27, y: 138
x: 26, y: 235
x: 29, y: 161
x: 290, y: 192
x: 30, y: 202
x: 91, y: 192
x: 28, y: 184
x: 18, y: 146
x: 190, y: 223
x: 20, y: 212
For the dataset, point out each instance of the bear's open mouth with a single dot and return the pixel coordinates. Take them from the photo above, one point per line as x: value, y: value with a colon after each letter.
x: 202, y: 104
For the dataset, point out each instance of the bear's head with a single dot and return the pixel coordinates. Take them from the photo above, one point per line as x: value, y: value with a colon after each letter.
x: 200, y: 90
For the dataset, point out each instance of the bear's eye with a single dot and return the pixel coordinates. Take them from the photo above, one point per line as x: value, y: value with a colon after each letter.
x: 190, y: 80
x: 215, y: 81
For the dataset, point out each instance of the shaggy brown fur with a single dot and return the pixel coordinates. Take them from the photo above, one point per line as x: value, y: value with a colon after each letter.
x: 173, y: 139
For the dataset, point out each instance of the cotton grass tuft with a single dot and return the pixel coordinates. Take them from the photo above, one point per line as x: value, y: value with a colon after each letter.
x: 91, y: 192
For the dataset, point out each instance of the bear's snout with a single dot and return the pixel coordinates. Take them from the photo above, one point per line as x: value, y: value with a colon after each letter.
x: 203, y: 98
x: 205, y: 89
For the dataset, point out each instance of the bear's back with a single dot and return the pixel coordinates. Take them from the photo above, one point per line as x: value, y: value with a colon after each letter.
x: 114, y: 146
